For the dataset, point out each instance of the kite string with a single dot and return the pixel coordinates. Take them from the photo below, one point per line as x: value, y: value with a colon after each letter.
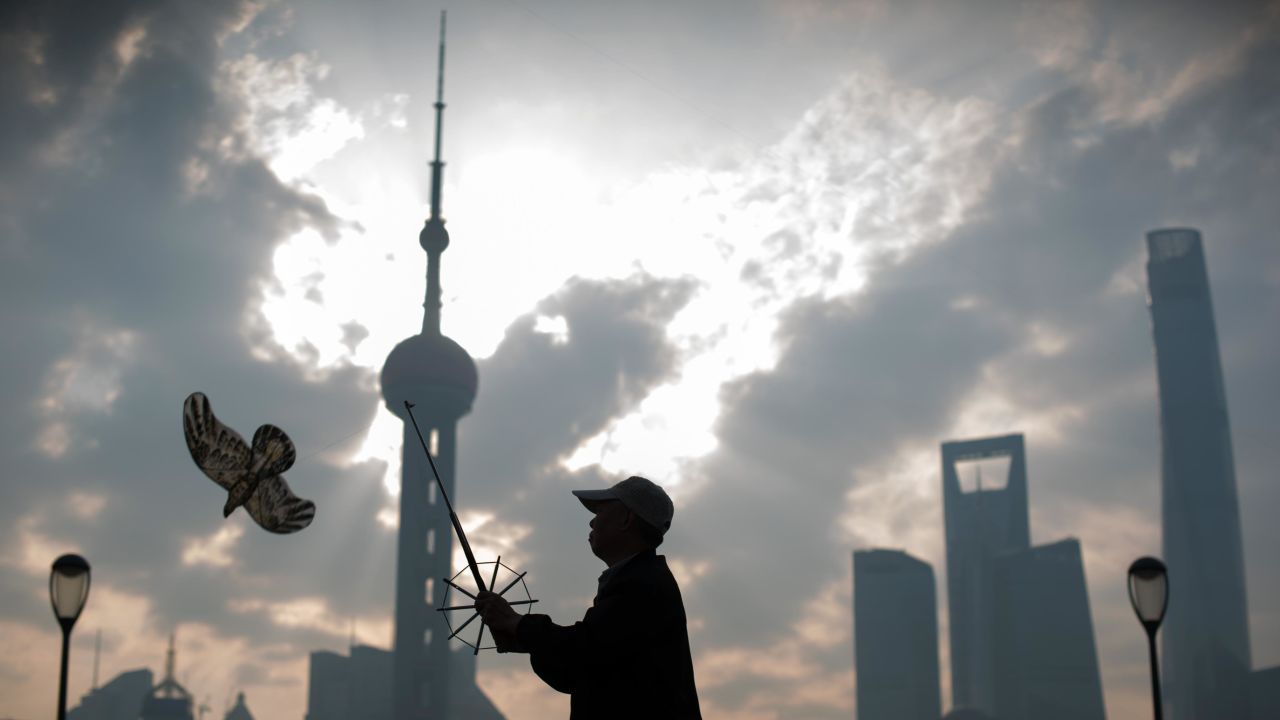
x: 302, y: 458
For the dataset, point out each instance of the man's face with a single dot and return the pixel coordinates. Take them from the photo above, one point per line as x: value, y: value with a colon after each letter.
x: 608, y: 526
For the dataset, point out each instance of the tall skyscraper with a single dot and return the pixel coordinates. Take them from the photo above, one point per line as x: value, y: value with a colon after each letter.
x: 1206, y: 634
x: 435, y: 374
x: 895, y: 617
x: 1046, y: 663
x: 980, y: 525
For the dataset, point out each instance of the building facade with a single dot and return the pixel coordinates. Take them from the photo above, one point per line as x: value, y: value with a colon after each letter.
x: 350, y: 686
x: 1264, y: 693
x: 980, y: 525
x: 120, y: 699
x: 1046, y: 662
x: 168, y: 700
x: 895, y: 637
x: 1205, y: 632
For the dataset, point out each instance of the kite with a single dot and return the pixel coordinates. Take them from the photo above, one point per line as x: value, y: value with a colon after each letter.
x: 251, y: 474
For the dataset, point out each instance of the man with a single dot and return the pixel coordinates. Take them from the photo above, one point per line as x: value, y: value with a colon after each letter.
x: 629, y: 655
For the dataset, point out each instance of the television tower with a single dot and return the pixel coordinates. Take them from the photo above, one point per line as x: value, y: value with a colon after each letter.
x: 434, y: 373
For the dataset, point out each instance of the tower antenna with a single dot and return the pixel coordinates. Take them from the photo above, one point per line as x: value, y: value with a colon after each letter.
x: 434, y: 238
x: 437, y: 165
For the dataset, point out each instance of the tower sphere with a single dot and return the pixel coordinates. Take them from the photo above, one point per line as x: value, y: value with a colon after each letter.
x: 432, y: 371
x: 434, y: 238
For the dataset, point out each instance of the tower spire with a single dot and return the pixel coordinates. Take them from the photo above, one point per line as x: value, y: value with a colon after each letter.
x: 437, y: 166
x: 97, y: 651
x: 168, y: 660
x: 434, y: 238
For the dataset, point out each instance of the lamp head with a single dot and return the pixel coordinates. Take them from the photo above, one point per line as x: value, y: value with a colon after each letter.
x: 1149, y: 591
x: 68, y: 588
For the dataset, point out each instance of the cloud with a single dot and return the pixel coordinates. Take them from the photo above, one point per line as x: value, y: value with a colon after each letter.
x: 129, y: 291
x: 283, y: 119
x: 213, y: 550
x: 1015, y: 320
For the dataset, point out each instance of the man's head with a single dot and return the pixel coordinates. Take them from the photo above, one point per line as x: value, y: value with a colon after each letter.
x: 630, y: 517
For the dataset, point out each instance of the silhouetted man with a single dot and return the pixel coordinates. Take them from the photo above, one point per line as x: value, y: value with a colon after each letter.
x: 629, y: 655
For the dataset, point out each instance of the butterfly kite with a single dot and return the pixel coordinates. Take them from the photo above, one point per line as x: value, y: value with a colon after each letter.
x: 251, y: 475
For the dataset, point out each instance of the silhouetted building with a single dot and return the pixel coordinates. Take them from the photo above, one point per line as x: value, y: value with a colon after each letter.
x: 120, y: 699
x: 435, y: 374
x: 342, y: 687
x: 1046, y: 663
x: 966, y: 714
x: 1205, y: 632
x: 1264, y: 694
x: 980, y: 525
x: 895, y: 636
x: 359, y: 686
x: 469, y: 701
x: 239, y: 711
x: 167, y: 700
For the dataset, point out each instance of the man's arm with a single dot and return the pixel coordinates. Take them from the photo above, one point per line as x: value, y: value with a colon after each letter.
x: 563, y: 655
x: 608, y: 635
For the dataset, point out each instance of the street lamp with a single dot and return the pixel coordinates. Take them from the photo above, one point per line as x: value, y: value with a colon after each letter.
x: 1149, y: 594
x: 68, y: 590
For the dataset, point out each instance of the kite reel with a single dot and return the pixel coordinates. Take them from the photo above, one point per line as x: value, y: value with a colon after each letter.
x: 461, y: 587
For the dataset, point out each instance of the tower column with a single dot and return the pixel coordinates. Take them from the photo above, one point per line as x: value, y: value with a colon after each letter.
x: 436, y: 375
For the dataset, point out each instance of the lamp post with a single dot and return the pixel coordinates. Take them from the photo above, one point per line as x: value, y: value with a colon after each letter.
x: 1149, y: 594
x: 68, y: 590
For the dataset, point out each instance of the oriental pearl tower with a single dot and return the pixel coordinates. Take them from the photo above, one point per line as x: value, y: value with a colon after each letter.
x: 435, y: 374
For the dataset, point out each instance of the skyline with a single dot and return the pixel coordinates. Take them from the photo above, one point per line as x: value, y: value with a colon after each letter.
x: 770, y: 260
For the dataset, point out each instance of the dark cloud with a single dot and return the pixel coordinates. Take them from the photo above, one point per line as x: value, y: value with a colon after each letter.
x: 1054, y: 252
x: 115, y: 243
x: 540, y: 398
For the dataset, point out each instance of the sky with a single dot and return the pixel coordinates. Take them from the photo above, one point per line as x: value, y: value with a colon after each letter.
x: 769, y: 254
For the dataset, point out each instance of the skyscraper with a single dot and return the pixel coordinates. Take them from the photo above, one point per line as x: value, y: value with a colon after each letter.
x: 895, y: 617
x: 1045, y: 660
x: 168, y: 700
x: 355, y: 686
x: 120, y: 699
x: 1206, y: 635
x: 980, y: 525
x: 435, y: 374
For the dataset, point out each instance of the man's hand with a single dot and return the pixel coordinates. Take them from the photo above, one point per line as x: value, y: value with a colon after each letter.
x: 501, y: 619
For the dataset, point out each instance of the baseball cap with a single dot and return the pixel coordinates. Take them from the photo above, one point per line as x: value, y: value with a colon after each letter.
x: 640, y: 495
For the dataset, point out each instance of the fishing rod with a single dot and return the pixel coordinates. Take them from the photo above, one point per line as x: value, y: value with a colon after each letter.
x: 471, y: 561
x: 453, y: 516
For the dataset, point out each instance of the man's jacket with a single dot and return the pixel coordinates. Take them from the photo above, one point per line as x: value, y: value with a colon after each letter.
x: 629, y: 655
